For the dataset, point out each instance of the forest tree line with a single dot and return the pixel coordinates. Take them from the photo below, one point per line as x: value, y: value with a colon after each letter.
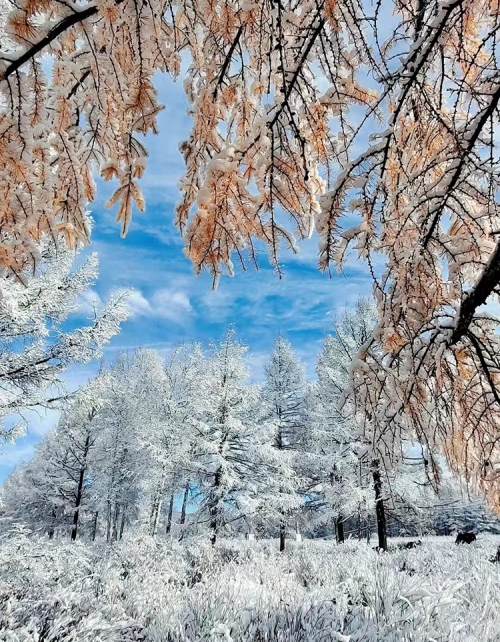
x: 187, y: 443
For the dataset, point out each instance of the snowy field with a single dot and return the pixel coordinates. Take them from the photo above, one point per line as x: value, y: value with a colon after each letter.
x: 143, y: 589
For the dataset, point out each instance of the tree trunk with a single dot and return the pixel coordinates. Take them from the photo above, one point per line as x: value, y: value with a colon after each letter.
x: 79, y: 491
x: 170, y: 514
x: 51, y: 529
x: 214, y: 509
x: 76, y: 514
x: 115, y: 522
x: 153, y: 518
x: 157, y: 517
x: 122, y: 525
x: 94, y: 528
x: 108, y: 521
x: 282, y: 535
x: 339, y: 529
x: 379, y: 506
x: 184, y: 504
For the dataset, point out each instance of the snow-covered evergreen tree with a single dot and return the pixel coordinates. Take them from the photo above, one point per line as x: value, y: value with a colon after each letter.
x: 54, y: 490
x: 345, y: 456
x: 121, y: 454
x: 335, y: 454
x: 168, y: 394
x: 400, y: 487
x: 34, y: 346
x: 284, y: 393
x: 230, y: 437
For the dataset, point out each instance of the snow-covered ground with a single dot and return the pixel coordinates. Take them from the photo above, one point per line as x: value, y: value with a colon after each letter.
x: 142, y: 589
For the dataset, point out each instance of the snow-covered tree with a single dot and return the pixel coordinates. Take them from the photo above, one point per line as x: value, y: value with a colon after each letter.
x: 29, y: 496
x: 34, y: 345
x: 460, y: 509
x: 231, y: 435
x: 336, y: 455
x: 168, y: 394
x: 344, y: 454
x: 76, y: 437
x: 143, y: 398
x: 284, y: 392
x: 55, y: 488
x: 121, y: 456
x: 410, y: 499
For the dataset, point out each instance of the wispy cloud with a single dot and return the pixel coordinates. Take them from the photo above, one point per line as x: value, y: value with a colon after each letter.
x: 173, y: 305
x: 88, y: 301
x: 138, y: 305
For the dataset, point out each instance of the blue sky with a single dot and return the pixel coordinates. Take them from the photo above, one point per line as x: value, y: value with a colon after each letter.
x: 171, y: 305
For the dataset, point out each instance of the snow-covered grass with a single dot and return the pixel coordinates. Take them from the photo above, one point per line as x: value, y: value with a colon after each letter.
x: 142, y: 589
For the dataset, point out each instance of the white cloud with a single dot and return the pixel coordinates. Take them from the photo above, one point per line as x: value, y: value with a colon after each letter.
x: 88, y: 301
x: 174, y: 305
x: 138, y: 305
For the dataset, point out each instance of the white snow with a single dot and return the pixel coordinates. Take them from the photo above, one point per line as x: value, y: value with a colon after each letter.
x: 240, y: 591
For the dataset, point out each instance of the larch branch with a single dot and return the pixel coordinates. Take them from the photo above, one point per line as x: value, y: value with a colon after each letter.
x: 53, y: 33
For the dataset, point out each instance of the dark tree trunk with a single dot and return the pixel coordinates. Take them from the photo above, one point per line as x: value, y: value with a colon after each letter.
x: 379, y: 506
x: 122, y: 524
x: 184, y: 504
x: 108, y: 521
x: 51, y: 528
x: 339, y: 529
x: 280, y: 445
x: 282, y: 535
x: 335, y: 478
x: 79, y: 491
x: 213, y: 535
x: 76, y: 514
x: 170, y: 514
x: 94, y: 527
x: 153, y: 519
x: 115, y: 522
x: 214, y: 508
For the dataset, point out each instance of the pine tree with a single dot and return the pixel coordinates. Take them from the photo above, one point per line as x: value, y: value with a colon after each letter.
x: 228, y: 447
x: 168, y: 431
x: 56, y: 485
x: 336, y: 455
x: 284, y: 392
